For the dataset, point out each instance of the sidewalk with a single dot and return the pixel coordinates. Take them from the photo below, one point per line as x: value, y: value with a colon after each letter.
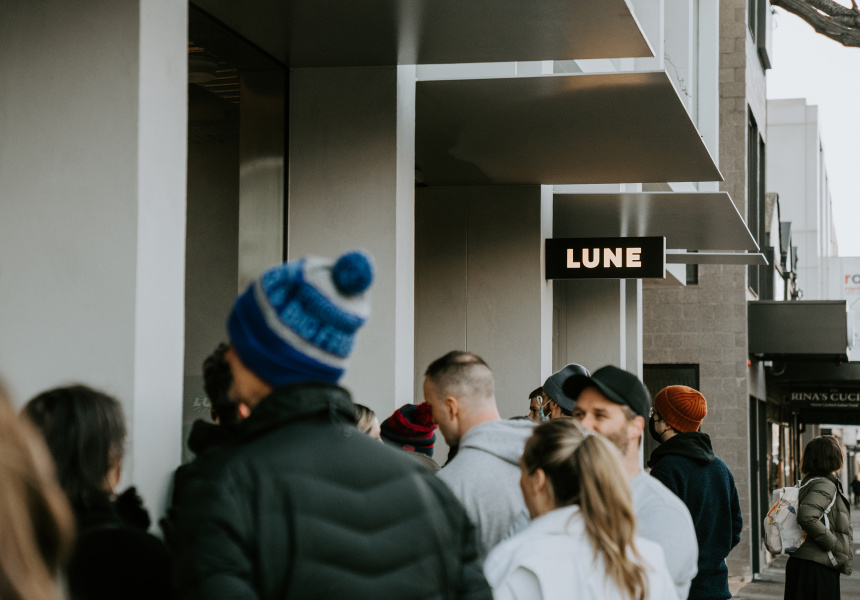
x: 771, y: 583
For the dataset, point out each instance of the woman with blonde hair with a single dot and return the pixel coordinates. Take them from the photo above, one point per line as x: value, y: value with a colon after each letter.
x: 36, y: 523
x: 581, y: 540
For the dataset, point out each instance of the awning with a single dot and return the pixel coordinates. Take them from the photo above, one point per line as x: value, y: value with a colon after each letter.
x: 802, y: 329
x: 704, y: 222
x: 557, y: 129
x: 329, y: 33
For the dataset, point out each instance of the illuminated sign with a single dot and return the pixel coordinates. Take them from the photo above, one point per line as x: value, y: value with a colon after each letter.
x: 606, y: 258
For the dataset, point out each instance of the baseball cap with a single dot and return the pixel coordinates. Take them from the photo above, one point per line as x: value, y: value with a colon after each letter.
x: 616, y: 384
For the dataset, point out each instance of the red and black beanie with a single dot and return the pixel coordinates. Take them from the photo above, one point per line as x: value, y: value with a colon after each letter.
x: 411, y: 427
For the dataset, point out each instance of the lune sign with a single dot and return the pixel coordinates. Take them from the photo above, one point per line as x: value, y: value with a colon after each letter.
x: 606, y: 258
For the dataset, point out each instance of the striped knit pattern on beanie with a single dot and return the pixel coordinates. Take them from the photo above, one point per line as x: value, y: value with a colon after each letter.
x: 298, y: 321
x: 682, y: 407
x: 411, y: 427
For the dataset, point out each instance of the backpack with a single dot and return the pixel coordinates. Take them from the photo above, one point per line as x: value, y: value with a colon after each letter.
x: 782, y: 534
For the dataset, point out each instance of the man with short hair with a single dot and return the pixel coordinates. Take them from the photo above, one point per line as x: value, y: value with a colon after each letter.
x: 485, y: 473
x: 536, y: 406
x: 558, y: 403
x: 303, y: 505
x: 685, y: 463
x: 614, y: 403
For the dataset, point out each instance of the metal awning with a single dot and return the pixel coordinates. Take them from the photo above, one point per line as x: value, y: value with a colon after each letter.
x: 810, y: 329
x: 557, y: 129
x: 706, y: 222
x: 329, y: 33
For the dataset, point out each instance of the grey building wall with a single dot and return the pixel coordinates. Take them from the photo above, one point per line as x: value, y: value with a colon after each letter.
x: 707, y: 323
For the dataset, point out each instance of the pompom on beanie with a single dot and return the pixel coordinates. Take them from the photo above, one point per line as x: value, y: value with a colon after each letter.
x: 682, y: 407
x: 411, y: 427
x: 298, y: 321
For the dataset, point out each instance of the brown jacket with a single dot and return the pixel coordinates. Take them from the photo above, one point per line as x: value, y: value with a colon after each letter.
x: 838, y: 539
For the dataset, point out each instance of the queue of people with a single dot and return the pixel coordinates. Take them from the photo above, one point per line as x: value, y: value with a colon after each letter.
x: 292, y: 495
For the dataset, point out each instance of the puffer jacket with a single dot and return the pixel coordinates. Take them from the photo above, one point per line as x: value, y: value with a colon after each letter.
x: 302, y: 505
x: 813, y: 500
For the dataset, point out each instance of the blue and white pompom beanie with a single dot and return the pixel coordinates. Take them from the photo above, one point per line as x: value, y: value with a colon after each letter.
x: 298, y: 321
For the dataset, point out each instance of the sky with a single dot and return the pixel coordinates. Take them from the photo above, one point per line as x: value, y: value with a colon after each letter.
x: 808, y: 65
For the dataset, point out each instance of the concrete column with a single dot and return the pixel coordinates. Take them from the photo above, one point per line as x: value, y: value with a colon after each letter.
x: 480, y: 284
x: 352, y: 178
x: 92, y: 220
x: 601, y: 323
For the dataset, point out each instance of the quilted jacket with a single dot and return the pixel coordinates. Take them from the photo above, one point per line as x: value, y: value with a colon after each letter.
x: 302, y: 505
x: 838, y: 539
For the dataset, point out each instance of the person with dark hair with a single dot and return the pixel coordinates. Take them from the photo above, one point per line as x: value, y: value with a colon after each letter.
x: 537, y: 408
x: 581, y: 542
x: 615, y: 404
x: 36, y: 522
x: 206, y: 437
x: 113, y: 556
x: 686, y: 464
x: 411, y: 429
x: 484, y: 474
x: 303, y: 505
x: 225, y: 413
x: 557, y: 403
x: 824, y: 514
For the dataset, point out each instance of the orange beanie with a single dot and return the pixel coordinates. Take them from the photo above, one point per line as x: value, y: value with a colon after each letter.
x: 682, y: 407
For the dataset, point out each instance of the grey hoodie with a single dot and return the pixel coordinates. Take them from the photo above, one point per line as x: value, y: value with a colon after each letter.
x: 485, y: 477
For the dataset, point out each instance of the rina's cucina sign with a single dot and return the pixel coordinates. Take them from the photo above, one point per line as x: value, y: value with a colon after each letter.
x: 606, y: 258
x: 825, y: 398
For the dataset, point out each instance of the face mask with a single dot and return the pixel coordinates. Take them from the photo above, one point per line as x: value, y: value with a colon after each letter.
x: 543, y: 412
x: 652, y: 429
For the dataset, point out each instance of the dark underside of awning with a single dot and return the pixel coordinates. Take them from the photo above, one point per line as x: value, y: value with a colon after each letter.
x: 329, y: 33
x: 557, y: 129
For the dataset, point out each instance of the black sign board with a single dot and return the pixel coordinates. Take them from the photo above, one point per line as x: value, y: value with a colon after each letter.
x: 824, y: 397
x: 606, y: 258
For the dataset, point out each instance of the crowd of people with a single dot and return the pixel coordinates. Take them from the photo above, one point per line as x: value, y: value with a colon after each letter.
x: 296, y: 491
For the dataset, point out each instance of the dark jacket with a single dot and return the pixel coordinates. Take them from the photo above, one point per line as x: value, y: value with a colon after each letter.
x: 305, y: 506
x: 204, y: 439
x: 686, y: 464
x: 838, y: 539
x: 114, y: 559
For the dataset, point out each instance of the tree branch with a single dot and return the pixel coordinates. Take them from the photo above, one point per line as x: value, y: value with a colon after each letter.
x: 829, y: 18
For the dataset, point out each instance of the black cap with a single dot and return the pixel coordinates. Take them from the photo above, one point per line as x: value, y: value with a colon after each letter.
x: 616, y: 384
x: 553, y: 389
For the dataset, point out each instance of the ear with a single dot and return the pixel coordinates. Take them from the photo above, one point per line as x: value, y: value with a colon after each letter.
x: 452, y: 407
x: 636, y: 427
x: 540, y: 480
x: 244, y: 410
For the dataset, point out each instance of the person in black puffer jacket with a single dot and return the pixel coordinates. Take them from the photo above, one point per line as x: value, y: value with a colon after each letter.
x: 686, y: 464
x: 303, y: 505
x: 113, y: 555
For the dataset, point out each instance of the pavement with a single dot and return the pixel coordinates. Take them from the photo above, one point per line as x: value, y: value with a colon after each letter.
x: 771, y: 583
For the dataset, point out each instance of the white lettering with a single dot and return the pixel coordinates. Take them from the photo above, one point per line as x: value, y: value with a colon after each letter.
x: 633, y: 259
x: 571, y: 264
x: 593, y: 261
x: 612, y: 257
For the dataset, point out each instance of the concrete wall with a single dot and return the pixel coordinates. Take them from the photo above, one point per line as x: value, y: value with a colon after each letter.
x: 92, y: 215
x: 352, y: 178
x: 480, y: 285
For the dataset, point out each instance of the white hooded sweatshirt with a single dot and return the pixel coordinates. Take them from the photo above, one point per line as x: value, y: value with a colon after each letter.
x: 553, y: 559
